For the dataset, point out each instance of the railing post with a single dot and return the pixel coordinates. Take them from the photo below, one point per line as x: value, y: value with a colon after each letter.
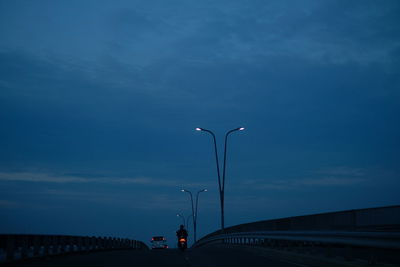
x: 92, y: 243
x: 372, y: 260
x: 48, y: 239
x: 36, y: 245
x: 108, y: 242
x: 54, y: 244
x: 348, y: 253
x: 95, y: 243
x: 45, y: 245
x: 75, y: 245
x: 103, y: 243
x: 80, y: 245
x: 85, y: 242
x: 99, y: 243
x: 70, y: 244
x: 10, y: 250
x: 55, y: 241
x: 328, y: 251
x: 61, y: 244
x: 23, y: 240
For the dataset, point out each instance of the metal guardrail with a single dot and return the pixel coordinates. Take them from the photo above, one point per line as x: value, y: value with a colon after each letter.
x: 16, y: 247
x: 359, y: 239
x: 383, y: 219
x: 371, y: 247
x: 364, y: 233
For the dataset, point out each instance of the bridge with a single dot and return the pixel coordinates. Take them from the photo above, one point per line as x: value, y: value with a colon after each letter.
x: 347, y: 238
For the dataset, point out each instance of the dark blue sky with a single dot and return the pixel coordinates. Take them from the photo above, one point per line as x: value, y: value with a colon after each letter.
x: 99, y: 101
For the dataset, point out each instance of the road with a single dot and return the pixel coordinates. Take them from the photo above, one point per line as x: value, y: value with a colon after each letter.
x: 210, y: 257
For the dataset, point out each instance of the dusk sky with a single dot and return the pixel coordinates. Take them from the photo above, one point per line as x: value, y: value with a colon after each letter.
x: 99, y: 101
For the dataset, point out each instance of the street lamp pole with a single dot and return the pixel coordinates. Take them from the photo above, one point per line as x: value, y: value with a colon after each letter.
x: 182, y: 217
x: 187, y: 221
x: 194, y: 219
x: 221, y: 185
x: 194, y: 214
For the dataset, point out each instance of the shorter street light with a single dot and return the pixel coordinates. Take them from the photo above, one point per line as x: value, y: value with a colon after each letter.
x: 185, y: 222
x: 194, y: 211
x: 197, y: 202
x: 182, y: 217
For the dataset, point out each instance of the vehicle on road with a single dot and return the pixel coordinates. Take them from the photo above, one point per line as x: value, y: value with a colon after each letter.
x: 159, y: 242
x: 182, y: 235
x: 182, y: 244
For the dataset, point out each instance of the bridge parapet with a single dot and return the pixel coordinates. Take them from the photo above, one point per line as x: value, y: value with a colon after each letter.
x: 367, y: 233
x: 15, y: 247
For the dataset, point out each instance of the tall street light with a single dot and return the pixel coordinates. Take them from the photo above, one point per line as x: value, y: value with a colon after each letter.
x: 187, y: 221
x: 221, y: 185
x: 182, y: 217
x: 194, y: 211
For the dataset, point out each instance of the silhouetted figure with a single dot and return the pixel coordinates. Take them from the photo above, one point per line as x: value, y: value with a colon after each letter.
x: 182, y: 235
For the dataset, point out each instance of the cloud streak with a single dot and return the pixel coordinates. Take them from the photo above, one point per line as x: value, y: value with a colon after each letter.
x: 64, y: 179
x: 332, y: 177
x: 6, y: 204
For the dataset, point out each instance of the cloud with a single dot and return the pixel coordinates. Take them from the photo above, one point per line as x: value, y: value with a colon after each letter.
x: 144, y: 34
x: 62, y: 179
x: 343, y: 171
x: 49, y: 178
x: 332, y: 181
x: 293, y: 184
x: 36, y: 177
x: 335, y: 176
x: 338, y: 176
x: 6, y: 204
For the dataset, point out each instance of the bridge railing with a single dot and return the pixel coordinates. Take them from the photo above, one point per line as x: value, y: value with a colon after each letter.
x: 285, y: 238
x: 367, y: 233
x: 15, y: 247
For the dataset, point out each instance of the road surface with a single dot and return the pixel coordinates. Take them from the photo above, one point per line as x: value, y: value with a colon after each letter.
x: 210, y: 257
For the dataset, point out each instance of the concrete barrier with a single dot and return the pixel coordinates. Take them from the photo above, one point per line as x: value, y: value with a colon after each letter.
x: 17, y: 247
